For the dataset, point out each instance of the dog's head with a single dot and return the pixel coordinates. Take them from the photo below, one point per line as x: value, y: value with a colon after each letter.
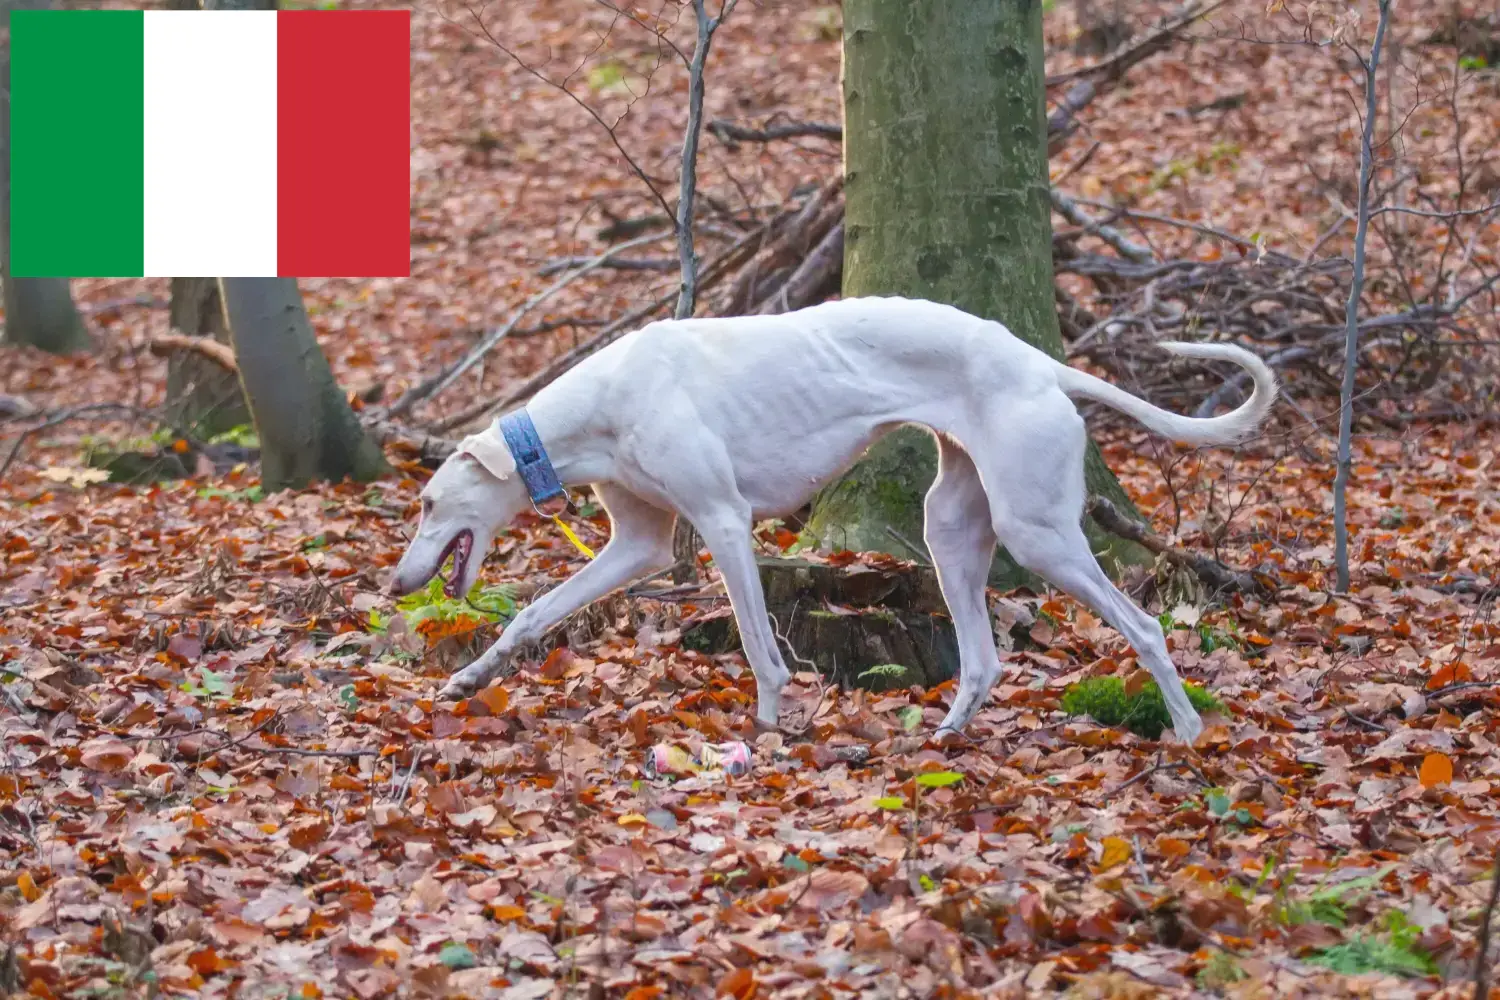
x: 470, y: 497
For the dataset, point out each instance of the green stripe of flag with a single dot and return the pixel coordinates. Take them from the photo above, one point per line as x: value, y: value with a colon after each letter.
x: 77, y: 157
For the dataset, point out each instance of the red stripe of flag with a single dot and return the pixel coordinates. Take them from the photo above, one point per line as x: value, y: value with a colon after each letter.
x: 343, y: 103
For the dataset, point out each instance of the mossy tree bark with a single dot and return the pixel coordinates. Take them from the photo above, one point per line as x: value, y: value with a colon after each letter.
x: 307, y: 430
x: 202, y: 396
x: 946, y: 193
x: 39, y: 312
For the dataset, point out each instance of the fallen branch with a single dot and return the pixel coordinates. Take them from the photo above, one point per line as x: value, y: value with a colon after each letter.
x: 821, y: 268
x: 726, y: 131
x: 1212, y: 572
x: 1068, y: 209
x: 166, y: 344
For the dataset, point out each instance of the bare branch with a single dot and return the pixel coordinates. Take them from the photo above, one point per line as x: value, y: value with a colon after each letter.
x: 166, y: 344
x: 433, y: 387
x: 1356, y: 288
x: 630, y: 161
x: 687, y: 296
x: 1454, y: 213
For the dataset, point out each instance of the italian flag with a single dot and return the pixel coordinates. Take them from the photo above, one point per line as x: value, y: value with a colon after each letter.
x: 210, y: 143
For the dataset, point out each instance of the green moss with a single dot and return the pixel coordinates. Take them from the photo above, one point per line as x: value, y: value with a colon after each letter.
x: 1145, y: 713
x: 1394, y: 952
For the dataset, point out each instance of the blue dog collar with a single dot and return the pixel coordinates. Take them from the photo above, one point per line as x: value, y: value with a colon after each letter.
x: 531, y: 458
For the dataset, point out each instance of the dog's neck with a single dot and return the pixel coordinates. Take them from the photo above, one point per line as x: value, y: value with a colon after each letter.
x: 580, y: 447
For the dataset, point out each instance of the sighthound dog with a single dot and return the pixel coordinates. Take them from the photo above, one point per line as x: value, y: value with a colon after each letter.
x: 728, y: 421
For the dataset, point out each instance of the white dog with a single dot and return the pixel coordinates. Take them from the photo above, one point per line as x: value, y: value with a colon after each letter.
x: 726, y: 421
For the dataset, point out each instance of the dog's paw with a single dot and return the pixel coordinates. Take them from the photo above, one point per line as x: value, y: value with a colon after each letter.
x: 458, y: 687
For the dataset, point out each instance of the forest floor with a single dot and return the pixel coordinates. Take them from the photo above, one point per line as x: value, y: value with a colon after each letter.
x: 223, y: 773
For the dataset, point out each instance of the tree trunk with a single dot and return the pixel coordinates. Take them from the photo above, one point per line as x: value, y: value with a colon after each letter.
x: 307, y: 430
x: 201, y: 396
x: 946, y: 195
x: 38, y: 311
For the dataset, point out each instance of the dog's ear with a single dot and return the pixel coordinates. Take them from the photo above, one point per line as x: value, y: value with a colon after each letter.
x: 488, y: 448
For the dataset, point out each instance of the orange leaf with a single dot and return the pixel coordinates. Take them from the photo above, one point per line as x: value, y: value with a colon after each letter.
x: 506, y: 911
x: 496, y: 699
x: 1136, y: 682
x: 1117, y: 851
x: 1449, y: 673
x: 1172, y: 847
x: 28, y: 887
x: 738, y: 983
x: 207, y: 961
x: 644, y: 993
x: 1437, y: 769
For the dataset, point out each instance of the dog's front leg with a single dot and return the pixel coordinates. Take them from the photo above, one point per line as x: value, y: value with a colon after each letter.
x: 640, y: 543
x: 727, y: 535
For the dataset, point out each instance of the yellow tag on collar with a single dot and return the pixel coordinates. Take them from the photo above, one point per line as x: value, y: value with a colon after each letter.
x: 568, y: 533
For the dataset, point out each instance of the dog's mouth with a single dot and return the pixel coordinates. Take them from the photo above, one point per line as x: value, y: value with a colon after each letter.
x: 461, y: 548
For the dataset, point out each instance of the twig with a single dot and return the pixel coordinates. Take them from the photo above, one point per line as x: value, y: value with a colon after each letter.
x: 1482, y: 960
x: 300, y: 752
x: 1175, y: 765
x: 1068, y: 209
x: 165, y: 344
x: 1209, y: 570
x: 405, y: 786
x: 1351, y: 313
x: 1132, y: 52
x: 476, y: 11
x: 912, y: 547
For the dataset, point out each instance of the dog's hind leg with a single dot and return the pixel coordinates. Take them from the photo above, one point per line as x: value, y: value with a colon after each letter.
x: 1036, y: 486
x: 640, y: 543
x: 962, y: 543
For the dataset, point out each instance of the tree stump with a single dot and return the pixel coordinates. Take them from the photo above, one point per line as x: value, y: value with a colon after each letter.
x: 877, y: 629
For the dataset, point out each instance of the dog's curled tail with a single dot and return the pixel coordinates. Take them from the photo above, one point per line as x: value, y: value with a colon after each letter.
x: 1227, y: 428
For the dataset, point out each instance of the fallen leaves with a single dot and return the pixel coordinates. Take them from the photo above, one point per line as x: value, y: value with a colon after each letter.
x: 1437, y: 769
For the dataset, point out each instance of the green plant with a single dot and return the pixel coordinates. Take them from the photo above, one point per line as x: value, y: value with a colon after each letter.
x: 1393, y: 951
x: 209, y: 685
x: 432, y: 607
x: 1144, y: 713
x: 1328, y: 904
x: 249, y: 494
x: 243, y: 435
x: 1473, y: 62
x: 1222, y: 969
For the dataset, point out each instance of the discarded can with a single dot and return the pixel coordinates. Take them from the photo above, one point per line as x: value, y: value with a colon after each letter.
x: 714, y: 759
